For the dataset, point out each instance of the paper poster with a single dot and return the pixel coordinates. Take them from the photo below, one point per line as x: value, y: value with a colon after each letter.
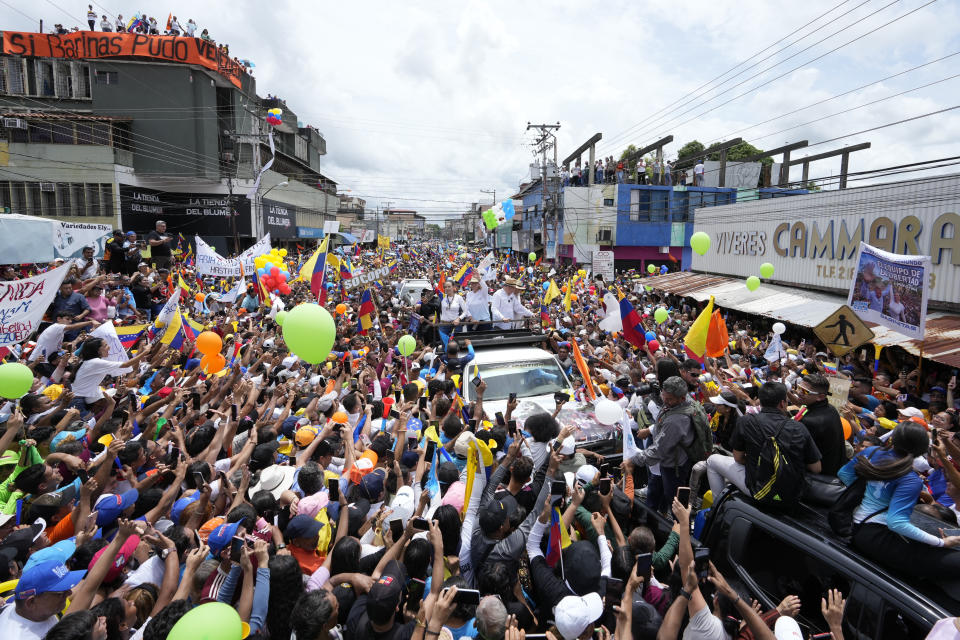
x: 23, y: 303
x: 891, y: 289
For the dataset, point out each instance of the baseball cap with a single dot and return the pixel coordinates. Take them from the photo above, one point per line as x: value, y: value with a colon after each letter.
x: 586, y: 473
x: 447, y: 473
x: 123, y: 557
x: 182, y: 504
x: 219, y: 539
x: 302, y: 526
x: 586, y: 577
x: 45, y: 577
x: 61, y: 552
x: 568, y: 446
x: 63, y: 435
x: 911, y: 412
x: 23, y: 539
x: 8, y: 458
x: 496, y: 512
x: 305, y: 435
x: 455, y: 496
x: 384, y: 595
x: 786, y: 628
x: 371, y: 486
x: 311, y: 505
x: 573, y: 614
x: 111, y: 506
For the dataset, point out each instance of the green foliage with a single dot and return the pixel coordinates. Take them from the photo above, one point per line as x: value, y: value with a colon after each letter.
x: 629, y: 152
x: 692, y: 148
x: 740, y: 151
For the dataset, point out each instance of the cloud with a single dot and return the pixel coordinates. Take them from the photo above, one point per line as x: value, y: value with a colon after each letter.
x: 426, y: 103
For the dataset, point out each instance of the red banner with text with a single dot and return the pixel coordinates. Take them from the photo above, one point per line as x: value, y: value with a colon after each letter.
x: 95, y: 44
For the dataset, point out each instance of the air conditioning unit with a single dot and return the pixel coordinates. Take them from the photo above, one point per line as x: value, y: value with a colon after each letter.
x: 663, y: 250
x: 604, y: 235
x: 14, y: 123
x: 48, y: 186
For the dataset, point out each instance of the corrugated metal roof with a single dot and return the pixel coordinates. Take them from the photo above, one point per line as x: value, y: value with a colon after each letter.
x: 808, y: 309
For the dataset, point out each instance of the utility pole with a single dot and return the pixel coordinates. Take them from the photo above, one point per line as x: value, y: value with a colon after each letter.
x: 546, y: 140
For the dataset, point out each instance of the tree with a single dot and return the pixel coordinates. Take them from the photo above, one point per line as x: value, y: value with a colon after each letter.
x: 629, y: 152
x: 740, y: 151
x: 692, y: 148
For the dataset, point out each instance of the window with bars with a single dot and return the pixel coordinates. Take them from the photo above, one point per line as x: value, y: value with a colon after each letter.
x: 13, y: 76
x: 106, y: 77
x: 45, y: 83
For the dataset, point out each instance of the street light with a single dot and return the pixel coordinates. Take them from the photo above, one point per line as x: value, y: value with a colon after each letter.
x: 279, y: 184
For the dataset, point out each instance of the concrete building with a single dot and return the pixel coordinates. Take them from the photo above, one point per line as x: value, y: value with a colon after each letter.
x: 404, y: 224
x: 128, y: 141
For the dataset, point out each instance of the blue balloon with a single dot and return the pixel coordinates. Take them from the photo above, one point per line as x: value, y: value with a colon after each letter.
x: 663, y: 269
x: 546, y: 285
x: 650, y: 335
x: 449, y: 264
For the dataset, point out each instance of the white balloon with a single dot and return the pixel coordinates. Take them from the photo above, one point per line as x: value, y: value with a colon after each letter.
x: 778, y: 328
x: 529, y: 269
x: 608, y: 411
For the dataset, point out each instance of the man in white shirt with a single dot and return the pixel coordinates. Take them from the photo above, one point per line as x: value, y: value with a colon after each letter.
x: 88, y: 266
x: 191, y: 27
x: 478, y: 304
x: 505, y: 306
x: 698, y: 174
x: 41, y: 593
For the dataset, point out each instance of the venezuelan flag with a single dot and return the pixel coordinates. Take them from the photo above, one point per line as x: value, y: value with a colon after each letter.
x: 365, y: 312
x: 466, y: 271
x: 559, y: 538
x: 632, y: 324
x: 130, y: 334
x: 174, y: 336
x: 393, y: 267
x: 192, y: 328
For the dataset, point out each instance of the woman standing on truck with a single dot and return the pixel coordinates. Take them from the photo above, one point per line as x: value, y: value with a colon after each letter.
x: 884, y: 532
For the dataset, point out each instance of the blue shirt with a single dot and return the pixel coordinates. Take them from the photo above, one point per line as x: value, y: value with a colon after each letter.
x: 890, y: 502
x: 74, y: 304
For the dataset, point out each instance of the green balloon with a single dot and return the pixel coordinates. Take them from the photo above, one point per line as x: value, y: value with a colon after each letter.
x: 309, y: 331
x: 661, y: 315
x: 648, y: 287
x: 211, y: 621
x: 406, y: 345
x: 766, y: 270
x: 280, y: 317
x: 700, y: 242
x: 651, y: 268
x: 532, y: 257
x: 753, y: 283
x: 15, y: 380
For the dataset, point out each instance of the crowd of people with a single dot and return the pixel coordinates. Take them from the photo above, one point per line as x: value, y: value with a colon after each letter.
x: 361, y: 497
x: 147, y: 25
x: 647, y: 170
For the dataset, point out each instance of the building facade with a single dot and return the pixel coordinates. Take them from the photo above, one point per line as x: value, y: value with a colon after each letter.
x: 131, y: 140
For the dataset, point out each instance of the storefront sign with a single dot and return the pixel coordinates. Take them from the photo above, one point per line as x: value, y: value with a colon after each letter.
x: 813, y: 239
x: 279, y: 219
x: 97, y: 44
x: 309, y: 232
x: 206, y: 214
x: 603, y: 264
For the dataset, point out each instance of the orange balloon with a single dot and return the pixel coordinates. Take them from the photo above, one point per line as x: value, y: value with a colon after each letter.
x: 563, y: 288
x: 573, y: 297
x: 213, y: 363
x: 209, y: 343
x: 199, y: 297
x: 341, y: 309
x: 847, y: 429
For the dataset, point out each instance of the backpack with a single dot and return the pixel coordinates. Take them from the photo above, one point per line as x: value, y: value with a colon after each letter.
x: 702, y: 444
x: 776, y: 479
x: 840, y: 515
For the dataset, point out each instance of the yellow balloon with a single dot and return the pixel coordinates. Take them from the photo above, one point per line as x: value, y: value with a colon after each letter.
x: 283, y: 253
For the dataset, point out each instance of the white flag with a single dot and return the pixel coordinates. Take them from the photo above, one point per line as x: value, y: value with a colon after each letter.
x: 612, y: 321
x: 169, y: 309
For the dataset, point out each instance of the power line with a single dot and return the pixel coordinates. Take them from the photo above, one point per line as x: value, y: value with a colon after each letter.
x: 783, y: 75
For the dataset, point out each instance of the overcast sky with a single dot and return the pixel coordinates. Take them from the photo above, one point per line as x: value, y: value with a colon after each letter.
x: 425, y: 104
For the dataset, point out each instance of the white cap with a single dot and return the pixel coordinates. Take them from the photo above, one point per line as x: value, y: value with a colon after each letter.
x: 910, y: 412
x: 574, y: 614
x: 586, y: 473
x: 786, y: 628
x: 568, y: 446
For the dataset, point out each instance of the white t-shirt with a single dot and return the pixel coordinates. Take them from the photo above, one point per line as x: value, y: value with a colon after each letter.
x: 91, y: 373
x: 704, y: 625
x: 13, y: 625
x: 48, y: 342
x: 698, y: 169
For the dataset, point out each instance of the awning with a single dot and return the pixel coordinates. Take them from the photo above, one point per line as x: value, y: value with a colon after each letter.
x: 808, y: 309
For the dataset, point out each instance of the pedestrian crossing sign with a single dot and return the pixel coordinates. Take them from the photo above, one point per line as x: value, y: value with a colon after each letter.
x: 843, y: 331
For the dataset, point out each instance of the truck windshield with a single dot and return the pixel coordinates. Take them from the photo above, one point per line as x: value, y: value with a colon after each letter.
x: 526, y: 379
